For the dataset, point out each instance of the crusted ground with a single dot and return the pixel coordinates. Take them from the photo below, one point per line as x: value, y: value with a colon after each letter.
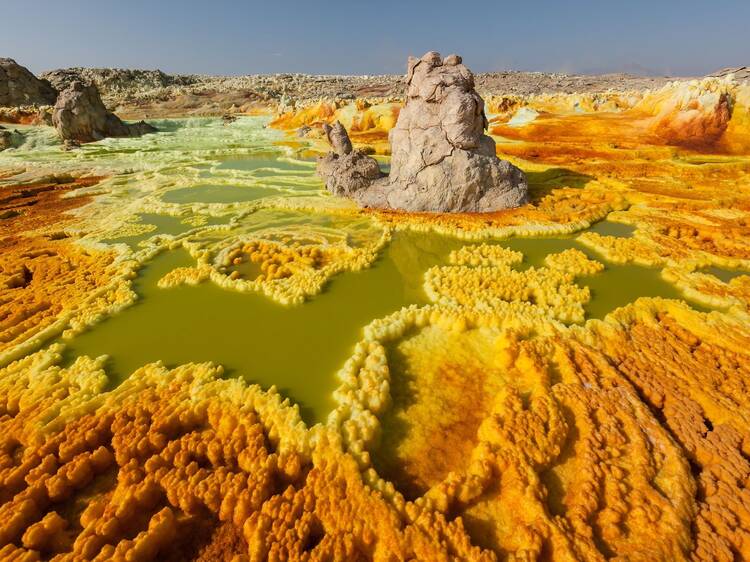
x: 492, y: 422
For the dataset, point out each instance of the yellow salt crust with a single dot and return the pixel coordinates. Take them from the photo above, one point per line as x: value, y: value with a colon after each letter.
x: 303, y: 281
x: 551, y: 288
x: 709, y: 290
x: 637, y: 249
x: 131, y: 229
x: 365, y: 378
x: 574, y: 262
x: 470, y: 231
x: 485, y: 255
x: 357, y: 420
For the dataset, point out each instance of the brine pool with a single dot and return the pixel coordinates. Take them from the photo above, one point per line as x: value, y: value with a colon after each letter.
x: 195, y: 166
x: 299, y: 348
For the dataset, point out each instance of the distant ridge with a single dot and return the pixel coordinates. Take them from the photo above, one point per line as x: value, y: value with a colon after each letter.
x: 740, y: 72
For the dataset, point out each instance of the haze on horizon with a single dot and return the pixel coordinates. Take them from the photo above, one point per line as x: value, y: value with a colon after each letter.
x: 663, y: 37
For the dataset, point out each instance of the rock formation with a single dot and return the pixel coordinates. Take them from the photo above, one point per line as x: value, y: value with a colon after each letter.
x: 18, y: 86
x: 80, y: 116
x: 344, y: 170
x: 5, y: 138
x: 112, y: 80
x: 441, y: 159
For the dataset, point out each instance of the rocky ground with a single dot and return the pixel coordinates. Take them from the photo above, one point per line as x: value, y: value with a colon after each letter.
x: 116, y: 84
x: 152, y: 93
x: 139, y: 94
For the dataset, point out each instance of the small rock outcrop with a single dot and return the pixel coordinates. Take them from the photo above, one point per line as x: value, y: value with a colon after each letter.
x: 18, y: 86
x: 344, y: 170
x: 6, y: 138
x: 80, y: 116
x: 441, y: 159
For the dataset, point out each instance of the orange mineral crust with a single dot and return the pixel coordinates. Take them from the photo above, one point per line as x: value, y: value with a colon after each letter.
x: 39, y: 204
x: 367, y: 121
x: 584, y: 442
x: 180, y: 464
x: 47, y: 283
x: 26, y: 115
x: 695, y: 382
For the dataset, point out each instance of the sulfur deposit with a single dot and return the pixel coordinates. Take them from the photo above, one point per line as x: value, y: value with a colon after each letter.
x: 441, y: 159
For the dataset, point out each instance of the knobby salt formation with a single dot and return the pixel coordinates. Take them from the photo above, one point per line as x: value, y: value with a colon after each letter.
x: 80, y: 116
x: 441, y: 159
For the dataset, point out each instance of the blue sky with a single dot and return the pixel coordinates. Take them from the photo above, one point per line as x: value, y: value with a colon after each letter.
x: 374, y: 37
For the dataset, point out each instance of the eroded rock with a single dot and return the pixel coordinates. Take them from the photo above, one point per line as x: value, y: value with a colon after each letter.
x: 18, y: 86
x: 441, y: 159
x: 80, y: 116
x: 5, y: 138
x: 344, y: 170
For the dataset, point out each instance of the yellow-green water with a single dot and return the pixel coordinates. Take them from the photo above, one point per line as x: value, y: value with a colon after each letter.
x: 212, y: 193
x: 299, y: 349
x: 725, y: 275
x: 165, y: 224
x: 612, y: 288
x: 610, y: 228
x: 267, y: 164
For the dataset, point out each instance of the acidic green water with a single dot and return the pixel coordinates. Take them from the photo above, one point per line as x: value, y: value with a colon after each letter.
x: 212, y: 193
x: 165, y: 224
x: 298, y: 349
x: 609, y: 228
x: 725, y: 275
x: 612, y: 288
x: 619, y: 285
x: 263, y: 165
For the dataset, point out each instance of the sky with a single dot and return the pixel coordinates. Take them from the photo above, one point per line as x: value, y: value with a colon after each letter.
x: 656, y: 37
